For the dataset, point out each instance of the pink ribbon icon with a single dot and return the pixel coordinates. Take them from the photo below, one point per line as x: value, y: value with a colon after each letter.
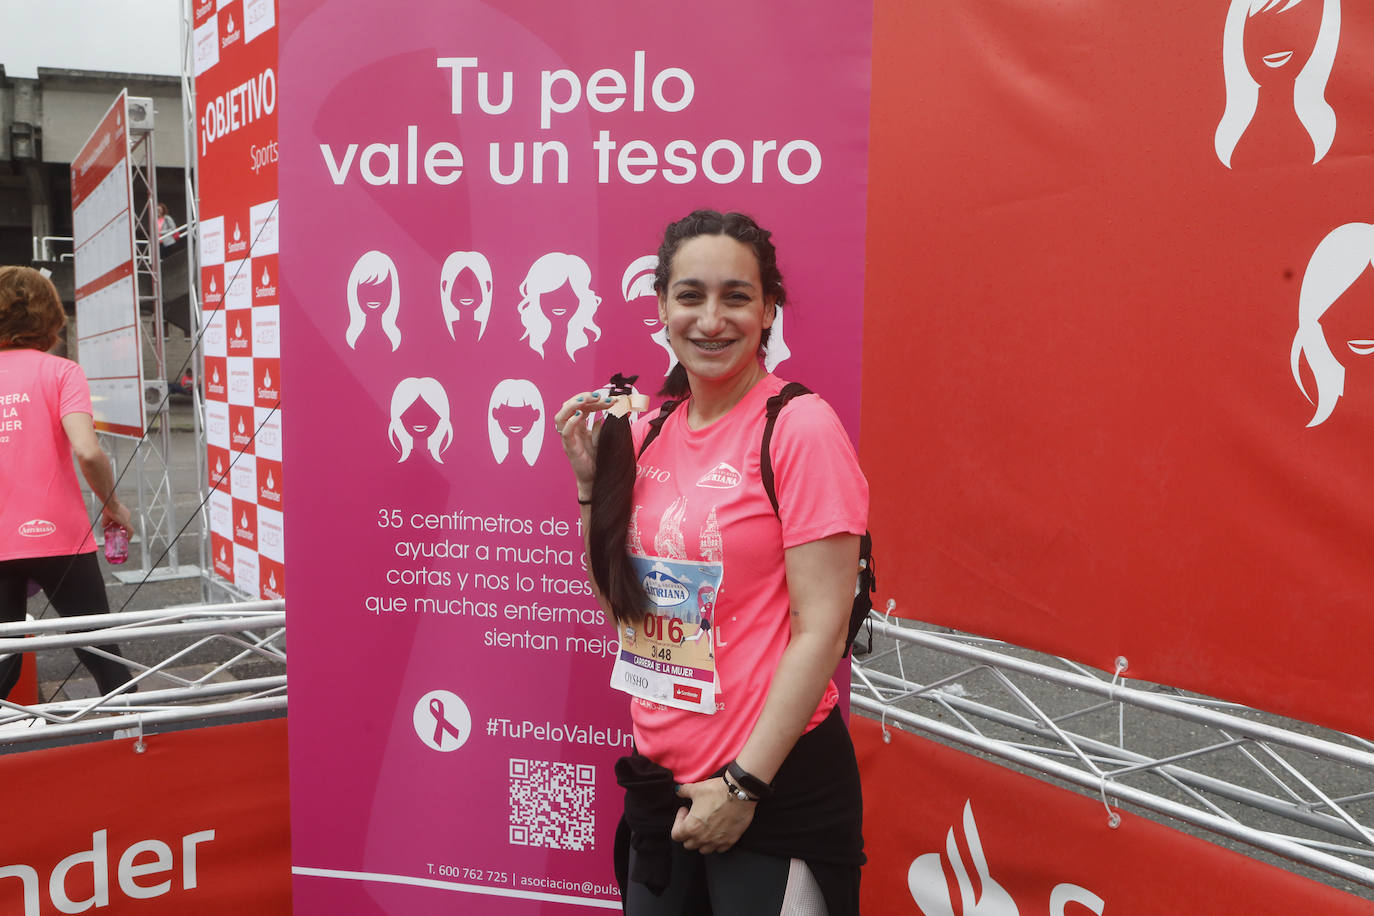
x: 441, y: 725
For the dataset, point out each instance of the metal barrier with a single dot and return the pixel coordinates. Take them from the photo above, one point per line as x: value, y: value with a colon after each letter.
x: 235, y: 634
x: 1289, y: 788
x: 43, y: 247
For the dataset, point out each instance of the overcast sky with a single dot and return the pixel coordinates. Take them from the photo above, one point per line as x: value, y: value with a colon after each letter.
x: 123, y: 36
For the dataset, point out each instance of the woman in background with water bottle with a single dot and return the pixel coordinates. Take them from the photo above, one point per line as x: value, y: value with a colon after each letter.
x: 45, y: 417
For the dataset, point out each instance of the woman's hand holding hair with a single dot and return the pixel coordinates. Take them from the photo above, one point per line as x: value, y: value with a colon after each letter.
x: 579, y: 437
x: 715, y: 821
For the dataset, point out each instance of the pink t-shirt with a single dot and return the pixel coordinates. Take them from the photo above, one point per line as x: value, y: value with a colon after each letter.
x: 42, y: 513
x: 699, y: 496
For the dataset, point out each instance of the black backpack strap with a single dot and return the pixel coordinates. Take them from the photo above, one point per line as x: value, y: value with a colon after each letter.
x: 656, y: 424
x: 775, y: 406
x: 867, y: 582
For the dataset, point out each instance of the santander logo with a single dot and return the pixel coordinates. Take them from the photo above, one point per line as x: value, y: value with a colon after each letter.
x: 135, y: 880
x: 37, y: 528
x: 931, y: 890
x: 720, y: 477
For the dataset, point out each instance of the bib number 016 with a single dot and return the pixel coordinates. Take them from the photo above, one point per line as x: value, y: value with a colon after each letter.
x: 664, y: 629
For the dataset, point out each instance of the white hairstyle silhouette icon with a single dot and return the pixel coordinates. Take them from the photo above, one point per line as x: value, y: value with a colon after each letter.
x: 548, y: 273
x: 776, y: 350
x: 1309, y: 88
x: 638, y: 282
x: 402, y: 431
x: 372, y: 270
x: 1339, y: 260
x: 516, y: 412
x: 477, y: 265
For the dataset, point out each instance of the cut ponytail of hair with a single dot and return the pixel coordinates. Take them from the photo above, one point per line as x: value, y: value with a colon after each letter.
x: 613, y: 488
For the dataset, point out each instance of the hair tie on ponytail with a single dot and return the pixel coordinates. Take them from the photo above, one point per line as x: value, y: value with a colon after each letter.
x: 613, y: 487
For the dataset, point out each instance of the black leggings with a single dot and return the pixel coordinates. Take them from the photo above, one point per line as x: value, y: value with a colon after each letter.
x: 75, y: 587
x: 738, y: 882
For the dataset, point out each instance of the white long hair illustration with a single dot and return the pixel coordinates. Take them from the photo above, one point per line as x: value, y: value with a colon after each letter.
x: 545, y: 275
x: 516, y: 395
x: 372, y: 270
x: 1309, y: 89
x: 432, y: 393
x: 1340, y: 259
x: 776, y: 350
x: 454, y: 265
x: 637, y: 283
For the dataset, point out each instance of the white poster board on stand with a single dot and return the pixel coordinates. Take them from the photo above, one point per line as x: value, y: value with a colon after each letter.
x: 109, y: 347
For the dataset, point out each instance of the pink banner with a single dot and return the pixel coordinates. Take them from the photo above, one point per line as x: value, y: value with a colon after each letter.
x: 473, y: 198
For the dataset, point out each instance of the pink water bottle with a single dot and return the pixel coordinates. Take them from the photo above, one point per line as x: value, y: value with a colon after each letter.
x: 116, y: 543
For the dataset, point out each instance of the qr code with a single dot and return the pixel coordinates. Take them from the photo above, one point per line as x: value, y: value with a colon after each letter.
x: 551, y: 804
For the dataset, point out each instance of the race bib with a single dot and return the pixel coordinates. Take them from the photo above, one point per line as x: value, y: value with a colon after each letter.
x: 669, y: 657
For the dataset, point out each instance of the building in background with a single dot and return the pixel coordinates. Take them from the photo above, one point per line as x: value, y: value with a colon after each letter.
x: 43, y: 123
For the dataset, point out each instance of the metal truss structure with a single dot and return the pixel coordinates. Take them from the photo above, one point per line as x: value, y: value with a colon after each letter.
x: 151, y: 454
x: 248, y: 677
x: 211, y: 588
x: 1291, y: 789
x: 1286, y: 788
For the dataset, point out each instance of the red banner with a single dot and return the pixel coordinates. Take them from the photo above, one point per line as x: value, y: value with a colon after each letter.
x: 196, y: 823
x: 1114, y: 402
x: 949, y: 833
x: 236, y: 134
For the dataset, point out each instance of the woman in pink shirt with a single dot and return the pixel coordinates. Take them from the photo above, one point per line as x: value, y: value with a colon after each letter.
x: 742, y: 790
x: 45, y: 417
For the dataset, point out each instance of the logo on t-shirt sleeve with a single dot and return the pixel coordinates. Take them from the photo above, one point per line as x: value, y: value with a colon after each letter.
x: 720, y: 477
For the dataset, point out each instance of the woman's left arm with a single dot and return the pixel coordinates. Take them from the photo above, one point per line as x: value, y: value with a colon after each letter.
x: 95, y: 467
x: 820, y: 587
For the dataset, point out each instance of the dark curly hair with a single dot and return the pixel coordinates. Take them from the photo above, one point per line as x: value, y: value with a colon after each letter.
x: 742, y: 228
x: 613, y: 485
x: 30, y: 310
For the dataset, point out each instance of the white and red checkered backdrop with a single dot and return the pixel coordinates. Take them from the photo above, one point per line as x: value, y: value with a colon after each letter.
x: 236, y: 128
